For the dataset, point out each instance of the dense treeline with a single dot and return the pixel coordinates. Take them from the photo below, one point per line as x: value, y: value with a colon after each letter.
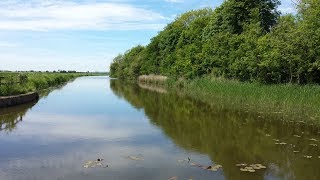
x: 247, y: 40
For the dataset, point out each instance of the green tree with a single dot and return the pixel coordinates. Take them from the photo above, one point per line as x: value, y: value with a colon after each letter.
x: 237, y: 13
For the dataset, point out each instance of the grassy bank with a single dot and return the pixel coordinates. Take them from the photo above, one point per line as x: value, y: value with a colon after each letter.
x: 289, y: 102
x: 20, y: 83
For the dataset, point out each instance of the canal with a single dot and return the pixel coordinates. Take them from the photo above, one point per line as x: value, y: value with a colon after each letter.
x: 100, y: 128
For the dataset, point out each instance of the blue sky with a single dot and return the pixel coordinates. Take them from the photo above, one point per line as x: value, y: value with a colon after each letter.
x: 83, y: 35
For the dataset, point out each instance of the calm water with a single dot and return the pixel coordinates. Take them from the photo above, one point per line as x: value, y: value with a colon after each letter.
x: 145, y: 134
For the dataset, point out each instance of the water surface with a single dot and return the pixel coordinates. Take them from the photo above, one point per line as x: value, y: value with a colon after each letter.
x: 95, y: 117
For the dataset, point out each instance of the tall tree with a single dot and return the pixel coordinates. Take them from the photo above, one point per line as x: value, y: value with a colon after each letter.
x: 236, y: 13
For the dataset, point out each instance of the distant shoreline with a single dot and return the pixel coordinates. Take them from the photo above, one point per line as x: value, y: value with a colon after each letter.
x: 20, y: 88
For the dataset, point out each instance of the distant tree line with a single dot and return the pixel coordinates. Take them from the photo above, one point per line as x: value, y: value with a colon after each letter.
x: 247, y: 40
x: 33, y: 71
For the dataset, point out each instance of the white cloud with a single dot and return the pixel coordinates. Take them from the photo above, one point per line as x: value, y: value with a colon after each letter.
x: 43, y: 61
x: 56, y: 15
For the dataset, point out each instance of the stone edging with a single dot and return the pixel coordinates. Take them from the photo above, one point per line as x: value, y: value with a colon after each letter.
x: 7, y: 101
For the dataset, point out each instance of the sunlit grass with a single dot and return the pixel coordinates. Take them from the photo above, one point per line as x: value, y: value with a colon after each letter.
x: 12, y: 84
x: 293, y: 102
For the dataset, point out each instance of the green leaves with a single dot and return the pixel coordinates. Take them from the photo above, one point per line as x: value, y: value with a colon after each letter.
x: 245, y: 40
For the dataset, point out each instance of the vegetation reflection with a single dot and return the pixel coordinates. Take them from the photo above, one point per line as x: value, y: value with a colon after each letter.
x: 230, y: 137
x: 10, y: 117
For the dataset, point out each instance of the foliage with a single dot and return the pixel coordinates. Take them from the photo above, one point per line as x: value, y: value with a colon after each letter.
x: 245, y: 40
x: 14, y: 83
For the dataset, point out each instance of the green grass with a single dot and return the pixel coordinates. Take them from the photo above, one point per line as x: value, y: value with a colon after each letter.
x: 289, y: 102
x: 12, y: 84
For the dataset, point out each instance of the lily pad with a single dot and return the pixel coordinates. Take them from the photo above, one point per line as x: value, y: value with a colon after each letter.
x: 93, y: 164
x: 258, y: 166
x: 243, y: 169
x: 281, y: 143
x: 247, y: 169
x: 241, y: 164
x: 308, y: 157
x: 261, y: 166
x: 312, y: 139
x: 212, y: 168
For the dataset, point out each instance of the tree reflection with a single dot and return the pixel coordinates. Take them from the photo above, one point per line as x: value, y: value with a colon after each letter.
x: 228, y: 136
x: 10, y: 117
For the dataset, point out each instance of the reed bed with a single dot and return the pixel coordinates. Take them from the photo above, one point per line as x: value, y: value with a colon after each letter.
x: 152, y: 79
x: 290, y: 102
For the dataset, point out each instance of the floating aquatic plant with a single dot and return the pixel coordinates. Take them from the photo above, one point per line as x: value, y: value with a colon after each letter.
x: 210, y: 168
x: 214, y: 168
x: 243, y: 169
x: 251, y: 168
x: 308, y: 157
x: 258, y: 166
x: 241, y: 164
x: 282, y: 143
x: 313, y: 139
x: 95, y: 163
x: 247, y: 169
x: 297, y: 136
x: 314, y: 145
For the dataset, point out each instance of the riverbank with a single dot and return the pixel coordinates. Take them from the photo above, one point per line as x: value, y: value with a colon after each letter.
x: 8, y: 101
x: 17, y: 83
x: 287, y: 102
